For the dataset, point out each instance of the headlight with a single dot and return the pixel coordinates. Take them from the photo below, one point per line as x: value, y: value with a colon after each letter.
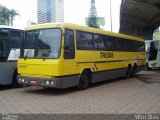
x: 47, y: 82
x: 23, y: 80
x: 52, y: 82
x: 20, y: 80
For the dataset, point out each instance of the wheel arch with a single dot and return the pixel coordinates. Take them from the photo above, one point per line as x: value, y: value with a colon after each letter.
x: 89, y: 72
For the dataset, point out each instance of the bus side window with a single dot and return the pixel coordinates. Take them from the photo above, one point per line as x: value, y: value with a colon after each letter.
x: 69, y: 49
x: 110, y: 43
x: 99, y: 42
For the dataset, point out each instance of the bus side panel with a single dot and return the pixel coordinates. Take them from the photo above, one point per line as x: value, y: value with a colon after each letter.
x: 107, y: 75
x: 6, y: 72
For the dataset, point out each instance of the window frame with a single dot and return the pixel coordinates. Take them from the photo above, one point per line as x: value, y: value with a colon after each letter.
x: 83, y: 48
x: 74, y: 49
x: 103, y: 36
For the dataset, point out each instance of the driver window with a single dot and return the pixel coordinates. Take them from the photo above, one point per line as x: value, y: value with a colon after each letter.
x: 69, y: 49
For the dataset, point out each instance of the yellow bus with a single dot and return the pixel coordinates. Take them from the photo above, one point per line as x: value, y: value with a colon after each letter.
x: 66, y: 55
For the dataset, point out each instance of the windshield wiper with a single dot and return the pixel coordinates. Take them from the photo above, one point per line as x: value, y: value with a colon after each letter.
x: 29, y: 50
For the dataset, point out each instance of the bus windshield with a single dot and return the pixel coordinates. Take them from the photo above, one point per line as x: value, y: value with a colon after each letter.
x: 3, y: 44
x: 43, y: 43
x: 153, y: 50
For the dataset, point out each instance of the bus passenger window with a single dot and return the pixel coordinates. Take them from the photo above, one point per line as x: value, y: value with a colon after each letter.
x: 99, y: 42
x: 84, y: 40
x: 69, y: 49
x: 110, y: 43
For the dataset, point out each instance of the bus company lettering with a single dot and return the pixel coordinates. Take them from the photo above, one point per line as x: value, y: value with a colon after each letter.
x: 22, y: 66
x: 106, y: 54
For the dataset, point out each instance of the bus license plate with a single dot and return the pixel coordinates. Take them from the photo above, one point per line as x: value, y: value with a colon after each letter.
x: 33, y: 82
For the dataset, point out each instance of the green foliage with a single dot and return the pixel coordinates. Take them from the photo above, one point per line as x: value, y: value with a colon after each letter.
x: 7, y: 16
x: 92, y: 19
x: 100, y: 21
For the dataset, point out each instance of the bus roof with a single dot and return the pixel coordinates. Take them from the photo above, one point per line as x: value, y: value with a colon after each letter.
x: 83, y: 28
x: 9, y: 27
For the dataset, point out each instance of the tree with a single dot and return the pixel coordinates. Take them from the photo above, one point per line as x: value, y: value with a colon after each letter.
x: 13, y: 13
x: 92, y: 19
x: 4, y: 15
x: 7, y: 16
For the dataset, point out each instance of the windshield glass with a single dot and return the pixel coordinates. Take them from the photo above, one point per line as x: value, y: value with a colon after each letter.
x: 153, y: 50
x: 44, y: 43
x: 3, y: 44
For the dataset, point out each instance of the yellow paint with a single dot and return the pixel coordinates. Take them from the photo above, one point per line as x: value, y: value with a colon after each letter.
x: 58, y: 67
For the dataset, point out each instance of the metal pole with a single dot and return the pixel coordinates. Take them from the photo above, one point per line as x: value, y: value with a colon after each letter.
x: 111, y: 14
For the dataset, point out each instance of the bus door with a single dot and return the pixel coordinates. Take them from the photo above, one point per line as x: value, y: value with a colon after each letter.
x: 69, y: 52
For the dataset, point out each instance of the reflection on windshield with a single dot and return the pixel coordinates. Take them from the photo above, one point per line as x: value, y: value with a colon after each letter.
x: 3, y: 44
x: 43, y: 43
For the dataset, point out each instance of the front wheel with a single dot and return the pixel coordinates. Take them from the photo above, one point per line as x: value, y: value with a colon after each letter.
x: 128, y: 72
x: 134, y: 70
x: 15, y: 83
x: 84, y: 80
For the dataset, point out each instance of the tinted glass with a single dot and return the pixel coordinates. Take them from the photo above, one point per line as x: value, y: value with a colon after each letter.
x: 30, y: 39
x: 99, y: 42
x: 3, y: 45
x: 84, y: 40
x: 153, y: 51
x: 69, y: 49
x: 110, y: 43
x: 3, y: 42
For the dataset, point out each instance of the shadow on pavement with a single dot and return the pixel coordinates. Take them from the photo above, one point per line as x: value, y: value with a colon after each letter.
x: 6, y: 87
x: 49, y: 91
x: 59, y: 92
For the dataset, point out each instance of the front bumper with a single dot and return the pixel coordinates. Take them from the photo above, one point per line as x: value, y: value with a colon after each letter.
x: 56, y: 82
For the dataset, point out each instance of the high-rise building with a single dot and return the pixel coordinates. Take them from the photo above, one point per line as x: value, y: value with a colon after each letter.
x: 50, y: 11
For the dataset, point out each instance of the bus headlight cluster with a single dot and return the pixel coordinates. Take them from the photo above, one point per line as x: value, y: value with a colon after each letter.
x: 49, y: 83
x: 21, y: 80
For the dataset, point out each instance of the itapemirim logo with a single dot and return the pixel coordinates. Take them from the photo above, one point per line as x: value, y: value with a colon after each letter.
x: 9, y: 117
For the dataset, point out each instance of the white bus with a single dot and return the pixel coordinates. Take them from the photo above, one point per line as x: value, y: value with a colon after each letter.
x: 153, y: 54
x: 10, y: 45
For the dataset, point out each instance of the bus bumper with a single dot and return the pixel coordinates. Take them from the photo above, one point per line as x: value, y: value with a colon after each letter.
x: 56, y: 82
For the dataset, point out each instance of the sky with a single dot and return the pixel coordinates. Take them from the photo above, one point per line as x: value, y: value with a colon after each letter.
x: 75, y: 11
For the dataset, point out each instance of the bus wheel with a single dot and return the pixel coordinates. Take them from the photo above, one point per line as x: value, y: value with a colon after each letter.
x: 134, y: 70
x: 128, y: 71
x: 84, y: 80
x: 15, y: 83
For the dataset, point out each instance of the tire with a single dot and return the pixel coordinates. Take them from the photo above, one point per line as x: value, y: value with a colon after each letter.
x: 84, y: 80
x: 128, y: 71
x: 134, y: 70
x: 15, y: 83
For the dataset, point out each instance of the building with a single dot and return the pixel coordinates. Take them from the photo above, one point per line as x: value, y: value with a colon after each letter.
x: 50, y: 11
x: 31, y: 22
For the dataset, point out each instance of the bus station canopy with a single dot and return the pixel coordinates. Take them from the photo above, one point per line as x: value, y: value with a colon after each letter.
x: 139, y: 17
